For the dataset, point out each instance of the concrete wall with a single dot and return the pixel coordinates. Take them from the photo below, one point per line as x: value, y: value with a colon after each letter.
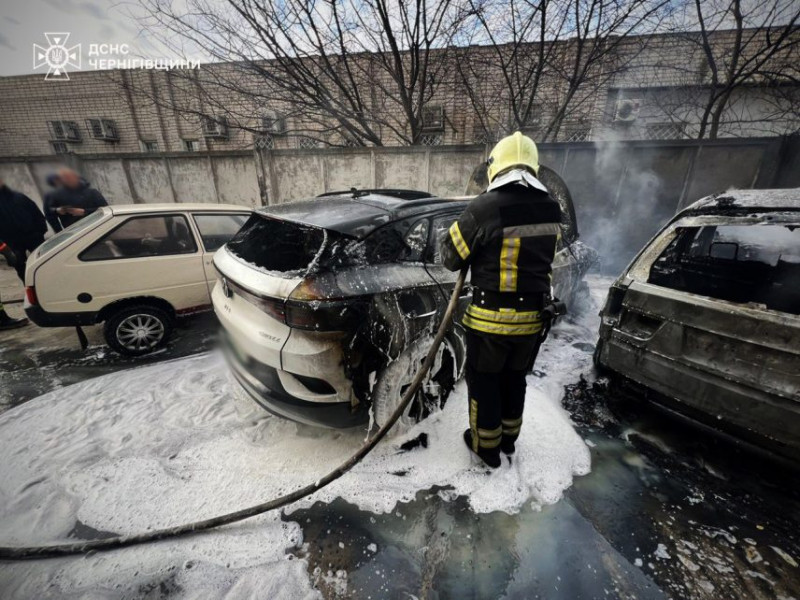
x: 623, y: 191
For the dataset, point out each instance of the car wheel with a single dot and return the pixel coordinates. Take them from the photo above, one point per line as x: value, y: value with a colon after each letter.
x: 137, y: 330
x: 436, y: 387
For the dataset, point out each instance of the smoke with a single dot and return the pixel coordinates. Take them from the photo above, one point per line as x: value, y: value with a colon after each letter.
x: 625, y: 209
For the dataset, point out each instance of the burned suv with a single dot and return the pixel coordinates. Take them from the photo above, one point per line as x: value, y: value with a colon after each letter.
x: 708, y: 317
x: 328, y: 305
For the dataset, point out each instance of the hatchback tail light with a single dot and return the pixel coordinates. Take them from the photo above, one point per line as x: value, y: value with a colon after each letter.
x: 324, y: 316
x: 30, y: 295
x: 616, y: 294
x: 273, y: 307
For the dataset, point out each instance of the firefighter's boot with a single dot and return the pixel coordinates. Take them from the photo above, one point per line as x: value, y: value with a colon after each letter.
x: 511, y: 429
x: 491, y: 456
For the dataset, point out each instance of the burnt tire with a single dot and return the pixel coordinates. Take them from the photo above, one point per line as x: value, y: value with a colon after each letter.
x: 394, y: 380
x: 138, y: 330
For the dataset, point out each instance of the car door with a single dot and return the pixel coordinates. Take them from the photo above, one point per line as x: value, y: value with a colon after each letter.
x: 148, y: 255
x: 215, y: 229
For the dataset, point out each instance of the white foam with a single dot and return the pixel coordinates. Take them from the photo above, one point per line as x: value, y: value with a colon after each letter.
x: 162, y: 445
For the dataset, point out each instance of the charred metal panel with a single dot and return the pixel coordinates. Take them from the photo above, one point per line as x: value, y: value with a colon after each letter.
x: 735, y: 363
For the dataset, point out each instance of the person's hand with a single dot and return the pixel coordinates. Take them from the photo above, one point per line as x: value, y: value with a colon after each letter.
x: 76, y: 212
x: 62, y: 210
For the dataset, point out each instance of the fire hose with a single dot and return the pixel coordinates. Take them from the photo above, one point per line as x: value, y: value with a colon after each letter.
x: 549, y: 314
x: 52, y: 551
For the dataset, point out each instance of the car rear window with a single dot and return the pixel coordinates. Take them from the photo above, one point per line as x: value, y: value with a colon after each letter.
x: 757, y: 264
x: 293, y: 249
x: 70, y: 232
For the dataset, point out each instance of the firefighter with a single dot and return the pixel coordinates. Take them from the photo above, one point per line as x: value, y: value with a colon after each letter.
x: 507, y: 236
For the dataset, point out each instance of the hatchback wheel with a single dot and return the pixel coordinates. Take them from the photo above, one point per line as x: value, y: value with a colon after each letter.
x: 436, y: 387
x: 137, y: 330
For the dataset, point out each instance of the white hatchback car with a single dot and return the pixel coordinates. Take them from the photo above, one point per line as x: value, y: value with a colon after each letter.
x: 134, y: 267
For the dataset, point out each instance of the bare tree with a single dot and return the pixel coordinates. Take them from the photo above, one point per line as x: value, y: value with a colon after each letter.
x: 356, y: 70
x: 741, y: 49
x: 548, y: 59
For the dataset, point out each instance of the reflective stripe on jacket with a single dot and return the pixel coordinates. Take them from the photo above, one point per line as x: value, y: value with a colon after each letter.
x: 508, y: 237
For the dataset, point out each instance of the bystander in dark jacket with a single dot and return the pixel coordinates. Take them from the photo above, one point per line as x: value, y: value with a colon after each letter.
x: 22, y: 225
x: 47, y: 203
x: 73, y: 199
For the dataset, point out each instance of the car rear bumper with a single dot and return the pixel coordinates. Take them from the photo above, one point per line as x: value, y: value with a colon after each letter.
x: 263, y: 384
x: 62, y: 319
x: 754, y: 415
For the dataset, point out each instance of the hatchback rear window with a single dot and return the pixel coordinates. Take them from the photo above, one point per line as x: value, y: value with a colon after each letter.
x: 72, y: 231
x: 292, y: 249
x: 740, y: 263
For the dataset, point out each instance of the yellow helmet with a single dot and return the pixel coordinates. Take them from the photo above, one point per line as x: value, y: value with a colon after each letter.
x: 516, y: 150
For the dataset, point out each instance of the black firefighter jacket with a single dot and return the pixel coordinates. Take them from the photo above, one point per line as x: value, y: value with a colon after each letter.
x: 508, y: 237
x: 22, y: 224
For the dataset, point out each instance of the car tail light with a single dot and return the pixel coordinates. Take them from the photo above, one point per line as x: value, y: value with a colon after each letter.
x: 616, y: 294
x: 274, y: 308
x: 324, y: 316
x: 30, y: 295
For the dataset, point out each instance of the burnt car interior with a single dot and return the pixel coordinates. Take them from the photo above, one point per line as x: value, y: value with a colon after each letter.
x: 282, y: 246
x: 757, y: 264
x: 276, y: 245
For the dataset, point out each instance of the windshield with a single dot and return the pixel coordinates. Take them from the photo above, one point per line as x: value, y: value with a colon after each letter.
x: 70, y: 232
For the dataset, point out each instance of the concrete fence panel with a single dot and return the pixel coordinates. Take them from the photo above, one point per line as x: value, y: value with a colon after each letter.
x: 150, y: 179
x: 110, y: 178
x: 406, y: 170
x: 348, y: 170
x: 236, y: 179
x: 193, y: 179
x: 296, y: 176
x: 449, y: 172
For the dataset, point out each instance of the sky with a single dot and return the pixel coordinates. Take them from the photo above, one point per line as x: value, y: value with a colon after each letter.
x: 24, y: 22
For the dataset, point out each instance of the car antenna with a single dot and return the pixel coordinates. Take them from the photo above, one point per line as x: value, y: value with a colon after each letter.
x: 356, y: 193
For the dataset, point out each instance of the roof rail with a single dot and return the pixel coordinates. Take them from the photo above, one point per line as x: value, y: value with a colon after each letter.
x: 431, y: 200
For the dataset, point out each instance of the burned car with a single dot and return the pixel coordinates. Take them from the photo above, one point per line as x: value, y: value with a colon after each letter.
x: 328, y: 305
x: 707, y: 317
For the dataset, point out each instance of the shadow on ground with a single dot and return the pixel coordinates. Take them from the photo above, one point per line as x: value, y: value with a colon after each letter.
x: 35, y: 360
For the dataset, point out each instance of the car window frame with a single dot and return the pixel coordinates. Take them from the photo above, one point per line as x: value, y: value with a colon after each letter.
x: 73, y: 233
x: 684, y: 233
x: 423, y: 253
x: 212, y: 213
x: 433, y: 240
x: 130, y: 218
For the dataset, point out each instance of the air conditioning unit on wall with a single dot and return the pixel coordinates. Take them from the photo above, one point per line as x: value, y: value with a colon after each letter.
x: 215, y: 127
x: 627, y: 110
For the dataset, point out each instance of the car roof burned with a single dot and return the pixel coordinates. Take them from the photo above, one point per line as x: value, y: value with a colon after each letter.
x: 355, y: 215
x: 745, y: 201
